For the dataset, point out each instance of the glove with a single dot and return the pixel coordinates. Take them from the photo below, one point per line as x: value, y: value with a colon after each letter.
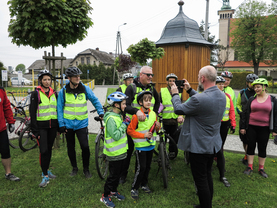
x: 11, y: 128
x: 232, y: 129
x: 62, y: 129
x: 101, y: 115
x: 126, y: 121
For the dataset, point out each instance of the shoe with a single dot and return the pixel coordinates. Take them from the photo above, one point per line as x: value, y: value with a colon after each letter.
x: 171, y: 155
x: 262, y: 173
x: 134, y: 194
x: 87, y: 174
x: 117, y: 195
x: 107, y: 201
x: 44, y: 182
x: 50, y: 175
x: 122, y: 180
x: 74, y: 172
x: 248, y: 171
x: 146, y: 189
x: 12, y: 177
x: 244, y: 161
x: 225, y: 182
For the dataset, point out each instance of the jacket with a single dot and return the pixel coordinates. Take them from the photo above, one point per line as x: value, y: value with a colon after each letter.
x: 232, y: 114
x: 245, y: 115
x: 231, y: 92
x: 76, y: 124
x: 6, y: 113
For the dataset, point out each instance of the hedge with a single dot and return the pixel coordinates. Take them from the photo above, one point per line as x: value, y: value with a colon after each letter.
x: 239, y: 80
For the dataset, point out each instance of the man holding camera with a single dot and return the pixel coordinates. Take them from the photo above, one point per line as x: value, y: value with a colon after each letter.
x: 170, y: 119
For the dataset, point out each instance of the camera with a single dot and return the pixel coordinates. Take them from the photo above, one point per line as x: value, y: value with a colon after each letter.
x: 179, y: 84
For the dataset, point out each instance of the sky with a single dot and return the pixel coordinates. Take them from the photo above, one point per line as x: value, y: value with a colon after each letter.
x: 144, y: 18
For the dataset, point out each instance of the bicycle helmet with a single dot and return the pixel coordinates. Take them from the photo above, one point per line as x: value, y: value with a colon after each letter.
x: 261, y: 81
x: 219, y: 79
x: 116, y: 97
x: 140, y: 94
x: 227, y: 74
x: 171, y: 75
x: 251, y: 77
x: 127, y: 75
x: 44, y: 72
x: 72, y: 71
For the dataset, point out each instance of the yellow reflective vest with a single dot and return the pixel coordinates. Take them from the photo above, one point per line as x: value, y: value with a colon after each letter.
x: 75, y: 108
x: 123, y: 88
x: 227, y: 109
x: 47, y: 109
x: 168, y: 111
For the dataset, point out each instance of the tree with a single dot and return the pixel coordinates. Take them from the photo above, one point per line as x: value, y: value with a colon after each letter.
x: 48, y: 22
x: 124, y: 63
x: 20, y: 67
x: 254, y: 34
x: 144, y: 50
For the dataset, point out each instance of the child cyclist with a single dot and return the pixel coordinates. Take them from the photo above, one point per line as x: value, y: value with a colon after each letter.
x: 115, y: 145
x: 144, y: 141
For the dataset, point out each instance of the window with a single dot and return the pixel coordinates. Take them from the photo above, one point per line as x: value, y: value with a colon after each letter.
x: 76, y: 63
x: 94, y: 62
x: 236, y: 56
x: 88, y: 60
x: 82, y: 60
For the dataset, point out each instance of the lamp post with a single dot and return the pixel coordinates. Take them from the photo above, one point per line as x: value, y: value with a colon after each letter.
x: 118, y: 47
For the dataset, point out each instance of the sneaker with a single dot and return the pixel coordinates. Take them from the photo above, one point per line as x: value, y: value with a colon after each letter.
x: 44, y: 182
x: 117, y: 195
x: 171, y: 155
x: 262, y: 173
x: 12, y: 177
x: 107, y: 201
x: 244, y: 161
x: 248, y: 171
x: 87, y: 174
x: 134, y: 194
x: 74, y: 172
x: 50, y: 175
x: 146, y: 189
x: 225, y: 181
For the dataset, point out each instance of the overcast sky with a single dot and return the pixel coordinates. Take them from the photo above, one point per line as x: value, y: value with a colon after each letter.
x: 144, y: 18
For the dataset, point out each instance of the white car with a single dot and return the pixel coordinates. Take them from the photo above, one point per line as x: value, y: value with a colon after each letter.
x: 24, y: 81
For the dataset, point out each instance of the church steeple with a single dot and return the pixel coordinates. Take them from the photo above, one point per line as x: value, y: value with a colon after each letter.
x: 226, y: 5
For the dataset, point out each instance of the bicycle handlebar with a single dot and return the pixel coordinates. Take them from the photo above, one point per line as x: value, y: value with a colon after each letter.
x: 104, y: 107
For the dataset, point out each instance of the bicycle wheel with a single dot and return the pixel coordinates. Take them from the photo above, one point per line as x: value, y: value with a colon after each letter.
x: 172, y: 152
x: 19, y: 125
x: 26, y: 141
x: 164, y: 163
x: 100, y: 158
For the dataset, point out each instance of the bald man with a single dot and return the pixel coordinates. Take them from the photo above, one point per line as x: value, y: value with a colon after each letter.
x: 200, y: 135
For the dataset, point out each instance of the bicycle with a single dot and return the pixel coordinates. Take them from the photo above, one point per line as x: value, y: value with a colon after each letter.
x: 162, y: 151
x: 22, y: 103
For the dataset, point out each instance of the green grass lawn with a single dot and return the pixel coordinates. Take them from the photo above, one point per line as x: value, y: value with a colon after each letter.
x: 65, y: 191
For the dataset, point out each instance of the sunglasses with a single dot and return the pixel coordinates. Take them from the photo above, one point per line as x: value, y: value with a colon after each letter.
x: 149, y: 74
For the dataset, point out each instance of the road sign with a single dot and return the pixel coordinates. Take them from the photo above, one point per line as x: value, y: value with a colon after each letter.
x: 19, y: 77
x: 4, y: 75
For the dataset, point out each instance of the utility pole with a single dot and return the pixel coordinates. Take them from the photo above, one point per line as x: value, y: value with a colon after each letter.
x: 207, y: 20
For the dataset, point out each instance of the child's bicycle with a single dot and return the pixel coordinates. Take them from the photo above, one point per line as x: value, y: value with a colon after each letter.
x: 162, y: 151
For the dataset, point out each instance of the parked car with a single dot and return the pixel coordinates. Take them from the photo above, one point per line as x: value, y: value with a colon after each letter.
x: 24, y: 81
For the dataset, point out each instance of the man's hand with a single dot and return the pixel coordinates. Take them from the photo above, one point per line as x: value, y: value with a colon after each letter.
x: 63, y: 130
x: 11, y: 128
x: 101, y: 116
x: 186, y: 85
x: 180, y: 119
x: 148, y: 135
x: 232, y: 129
x: 158, y: 126
x: 174, y: 89
x: 140, y: 115
x: 242, y: 131
x: 274, y: 134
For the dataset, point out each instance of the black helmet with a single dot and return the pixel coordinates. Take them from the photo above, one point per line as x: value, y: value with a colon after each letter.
x: 44, y: 72
x: 251, y: 77
x: 227, y: 74
x: 140, y: 94
x: 219, y: 79
x: 72, y: 71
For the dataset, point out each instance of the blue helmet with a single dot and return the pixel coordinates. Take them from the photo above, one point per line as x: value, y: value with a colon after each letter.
x: 116, y: 97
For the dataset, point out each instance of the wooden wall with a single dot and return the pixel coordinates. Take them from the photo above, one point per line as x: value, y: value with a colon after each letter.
x: 182, y: 61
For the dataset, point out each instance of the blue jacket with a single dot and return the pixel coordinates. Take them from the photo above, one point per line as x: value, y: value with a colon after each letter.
x: 76, y: 124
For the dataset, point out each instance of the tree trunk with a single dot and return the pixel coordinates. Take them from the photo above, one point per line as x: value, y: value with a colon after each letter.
x: 256, y: 68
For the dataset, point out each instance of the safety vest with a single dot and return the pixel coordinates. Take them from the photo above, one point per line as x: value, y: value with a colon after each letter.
x: 75, y: 108
x: 135, y: 103
x: 227, y: 109
x: 47, y: 109
x: 123, y: 88
x: 143, y: 127
x: 168, y: 111
x: 112, y: 147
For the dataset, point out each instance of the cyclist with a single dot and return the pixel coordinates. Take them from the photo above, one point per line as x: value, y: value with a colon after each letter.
x: 6, y: 114
x: 258, y: 120
x: 228, y: 121
x: 242, y: 99
x: 170, y: 119
x: 73, y: 117
x: 228, y: 76
x: 144, y: 141
x: 44, y: 123
x: 128, y: 79
x: 115, y: 145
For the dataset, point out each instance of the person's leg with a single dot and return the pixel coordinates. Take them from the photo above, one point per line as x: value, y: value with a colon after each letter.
x: 44, y: 152
x: 5, y: 151
x: 171, y: 129
x: 7, y: 165
x: 126, y: 162
x: 70, y: 140
x: 82, y: 135
x: 221, y: 163
x: 51, y: 138
x: 252, y: 139
x: 149, y: 156
x: 141, y: 167
x: 243, y: 138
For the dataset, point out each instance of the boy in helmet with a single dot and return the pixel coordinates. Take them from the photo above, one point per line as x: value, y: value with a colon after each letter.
x: 115, y: 145
x: 242, y: 99
x: 227, y: 89
x: 128, y: 79
x: 144, y: 142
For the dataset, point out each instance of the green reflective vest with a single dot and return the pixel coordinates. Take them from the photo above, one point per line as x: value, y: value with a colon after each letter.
x: 231, y: 92
x: 123, y: 88
x: 168, y: 111
x: 75, y: 108
x: 143, y: 127
x: 135, y: 103
x: 114, y: 148
x: 47, y: 109
x: 227, y: 109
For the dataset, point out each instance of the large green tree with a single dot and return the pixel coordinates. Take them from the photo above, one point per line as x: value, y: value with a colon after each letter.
x: 20, y: 67
x: 254, y: 34
x: 46, y: 23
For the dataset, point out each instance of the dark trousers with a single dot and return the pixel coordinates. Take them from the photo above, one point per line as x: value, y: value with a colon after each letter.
x: 143, y: 165
x: 201, y: 165
x: 45, y: 142
x: 171, y: 130
x: 115, y: 169
x: 4, y: 145
x: 126, y: 163
x: 82, y: 135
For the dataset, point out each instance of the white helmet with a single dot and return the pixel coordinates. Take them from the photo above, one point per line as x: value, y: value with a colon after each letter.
x: 116, y: 97
x: 127, y: 75
x: 172, y: 75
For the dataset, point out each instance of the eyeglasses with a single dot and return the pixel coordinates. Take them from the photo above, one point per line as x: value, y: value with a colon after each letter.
x: 149, y: 74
